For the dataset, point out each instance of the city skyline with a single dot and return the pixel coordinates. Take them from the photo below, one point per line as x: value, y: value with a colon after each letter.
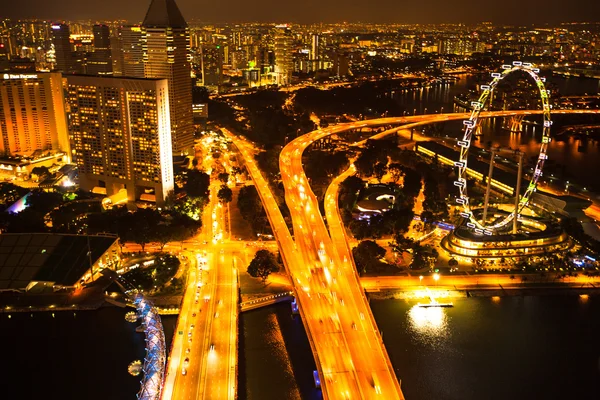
x: 511, y: 12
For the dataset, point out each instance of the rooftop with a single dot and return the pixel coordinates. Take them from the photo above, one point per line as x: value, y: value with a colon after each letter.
x: 163, y: 14
x: 62, y: 259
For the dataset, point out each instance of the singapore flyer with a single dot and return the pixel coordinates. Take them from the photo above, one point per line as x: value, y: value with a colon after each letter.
x: 471, y: 126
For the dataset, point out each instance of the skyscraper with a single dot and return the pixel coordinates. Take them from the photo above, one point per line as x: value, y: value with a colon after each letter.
x: 100, y: 61
x: 212, y: 65
x: 315, y: 53
x: 62, y: 48
x: 32, y: 114
x: 132, y: 51
x: 120, y: 135
x: 284, y: 64
x: 166, y: 49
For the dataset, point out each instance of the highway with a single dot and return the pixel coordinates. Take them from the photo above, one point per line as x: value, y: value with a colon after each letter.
x: 353, y: 359
x: 350, y: 356
x: 348, y: 349
x: 334, y: 271
x: 203, y: 361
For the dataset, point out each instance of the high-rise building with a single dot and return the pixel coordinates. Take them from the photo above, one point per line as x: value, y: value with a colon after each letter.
x: 166, y: 55
x: 116, y: 53
x: 132, y: 51
x: 62, y: 48
x: 120, y: 135
x: 284, y: 64
x: 32, y: 114
x: 315, y: 53
x: 212, y: 65
x: 100, y: 61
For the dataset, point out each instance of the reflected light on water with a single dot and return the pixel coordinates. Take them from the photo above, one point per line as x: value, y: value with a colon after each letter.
x: 430, y: 321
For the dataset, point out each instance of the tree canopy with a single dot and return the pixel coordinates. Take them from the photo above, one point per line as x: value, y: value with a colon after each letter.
x: 262, y: 265
x: 367, y: 255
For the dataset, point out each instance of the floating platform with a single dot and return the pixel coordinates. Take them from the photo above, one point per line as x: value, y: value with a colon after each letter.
x: 429, y: 305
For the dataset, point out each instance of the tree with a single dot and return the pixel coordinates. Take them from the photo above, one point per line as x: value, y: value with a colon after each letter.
x: 402, y: 244
x: 225, y: 194
x: 223, y: 177
x: 197, y: 183
x: 379, y: 170
x: 396, y: 171
x: 452, y: 262
x: 367, y: 255
x: 352, y: 184
x: 235, y: 171
x: 40, y: 171
x: 262, y: 265
x: 423, y: 256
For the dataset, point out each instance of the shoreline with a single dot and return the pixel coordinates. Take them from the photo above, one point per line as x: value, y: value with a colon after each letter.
x: 483, y: 291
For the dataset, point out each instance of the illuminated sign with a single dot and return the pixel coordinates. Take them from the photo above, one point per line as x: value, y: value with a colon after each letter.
x: 20, y: 76
x: 55, y: 27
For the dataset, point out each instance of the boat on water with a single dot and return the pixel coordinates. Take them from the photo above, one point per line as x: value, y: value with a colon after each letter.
x: 434, y: 303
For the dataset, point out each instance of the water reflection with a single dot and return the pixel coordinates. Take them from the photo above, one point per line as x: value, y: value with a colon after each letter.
x: 428, y: 322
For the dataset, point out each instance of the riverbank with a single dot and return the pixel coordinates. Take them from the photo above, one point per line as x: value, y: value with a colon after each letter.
x: 442, y: 292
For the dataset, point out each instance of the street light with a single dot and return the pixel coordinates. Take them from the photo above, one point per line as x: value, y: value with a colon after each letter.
x: 421, y: 279
x: 436, y: 278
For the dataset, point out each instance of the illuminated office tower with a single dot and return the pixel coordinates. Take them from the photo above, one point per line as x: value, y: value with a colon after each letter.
x: 284, y: 65
x: 212, y: 65
x: 100, y: 61
x: 116, y: 53
x: 62, y: 48
x: 315, y: 54
x: 132, y: 51
x: 166, y: 55
x: 32, y: 114
x: 119, y: 130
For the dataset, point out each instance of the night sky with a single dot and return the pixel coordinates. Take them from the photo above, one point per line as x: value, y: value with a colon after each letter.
x: 308, y: 11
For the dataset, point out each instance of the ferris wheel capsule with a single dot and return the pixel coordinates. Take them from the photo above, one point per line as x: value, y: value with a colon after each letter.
x: 527, y: 65
x: 471, y: 225
x: 506, y: 66
x: 496, y: 75
x: 488, y: 232
x: 517, y: 63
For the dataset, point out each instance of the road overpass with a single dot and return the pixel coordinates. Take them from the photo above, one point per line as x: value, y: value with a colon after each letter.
x: 348, y: 349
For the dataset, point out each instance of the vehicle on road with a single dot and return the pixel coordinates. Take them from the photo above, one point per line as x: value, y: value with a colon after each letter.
x: 185, y: 365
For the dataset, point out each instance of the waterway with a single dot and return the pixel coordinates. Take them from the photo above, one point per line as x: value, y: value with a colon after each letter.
x: 71, y: 355
x: 576, y: 159
x: 519, y: 348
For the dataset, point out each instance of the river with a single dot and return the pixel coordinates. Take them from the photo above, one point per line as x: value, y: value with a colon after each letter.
x: 518, y: 348
x: 71, y: 355
x: 580, y: 158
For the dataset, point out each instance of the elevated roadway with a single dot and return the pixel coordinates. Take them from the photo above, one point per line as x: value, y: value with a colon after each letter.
x: 347, y: 346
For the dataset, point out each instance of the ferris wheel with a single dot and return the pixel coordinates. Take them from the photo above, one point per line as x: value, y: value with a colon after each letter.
x: 472, y: 125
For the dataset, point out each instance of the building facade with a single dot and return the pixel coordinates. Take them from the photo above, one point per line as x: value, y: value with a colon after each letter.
x: 32, y: 114
x: 63, y: 51
x: 212, y: 66
x: 132, y: 51
x: 100, y: 61
x: 284, y: 64
x: 120, y: 135
x: 166, y: 55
